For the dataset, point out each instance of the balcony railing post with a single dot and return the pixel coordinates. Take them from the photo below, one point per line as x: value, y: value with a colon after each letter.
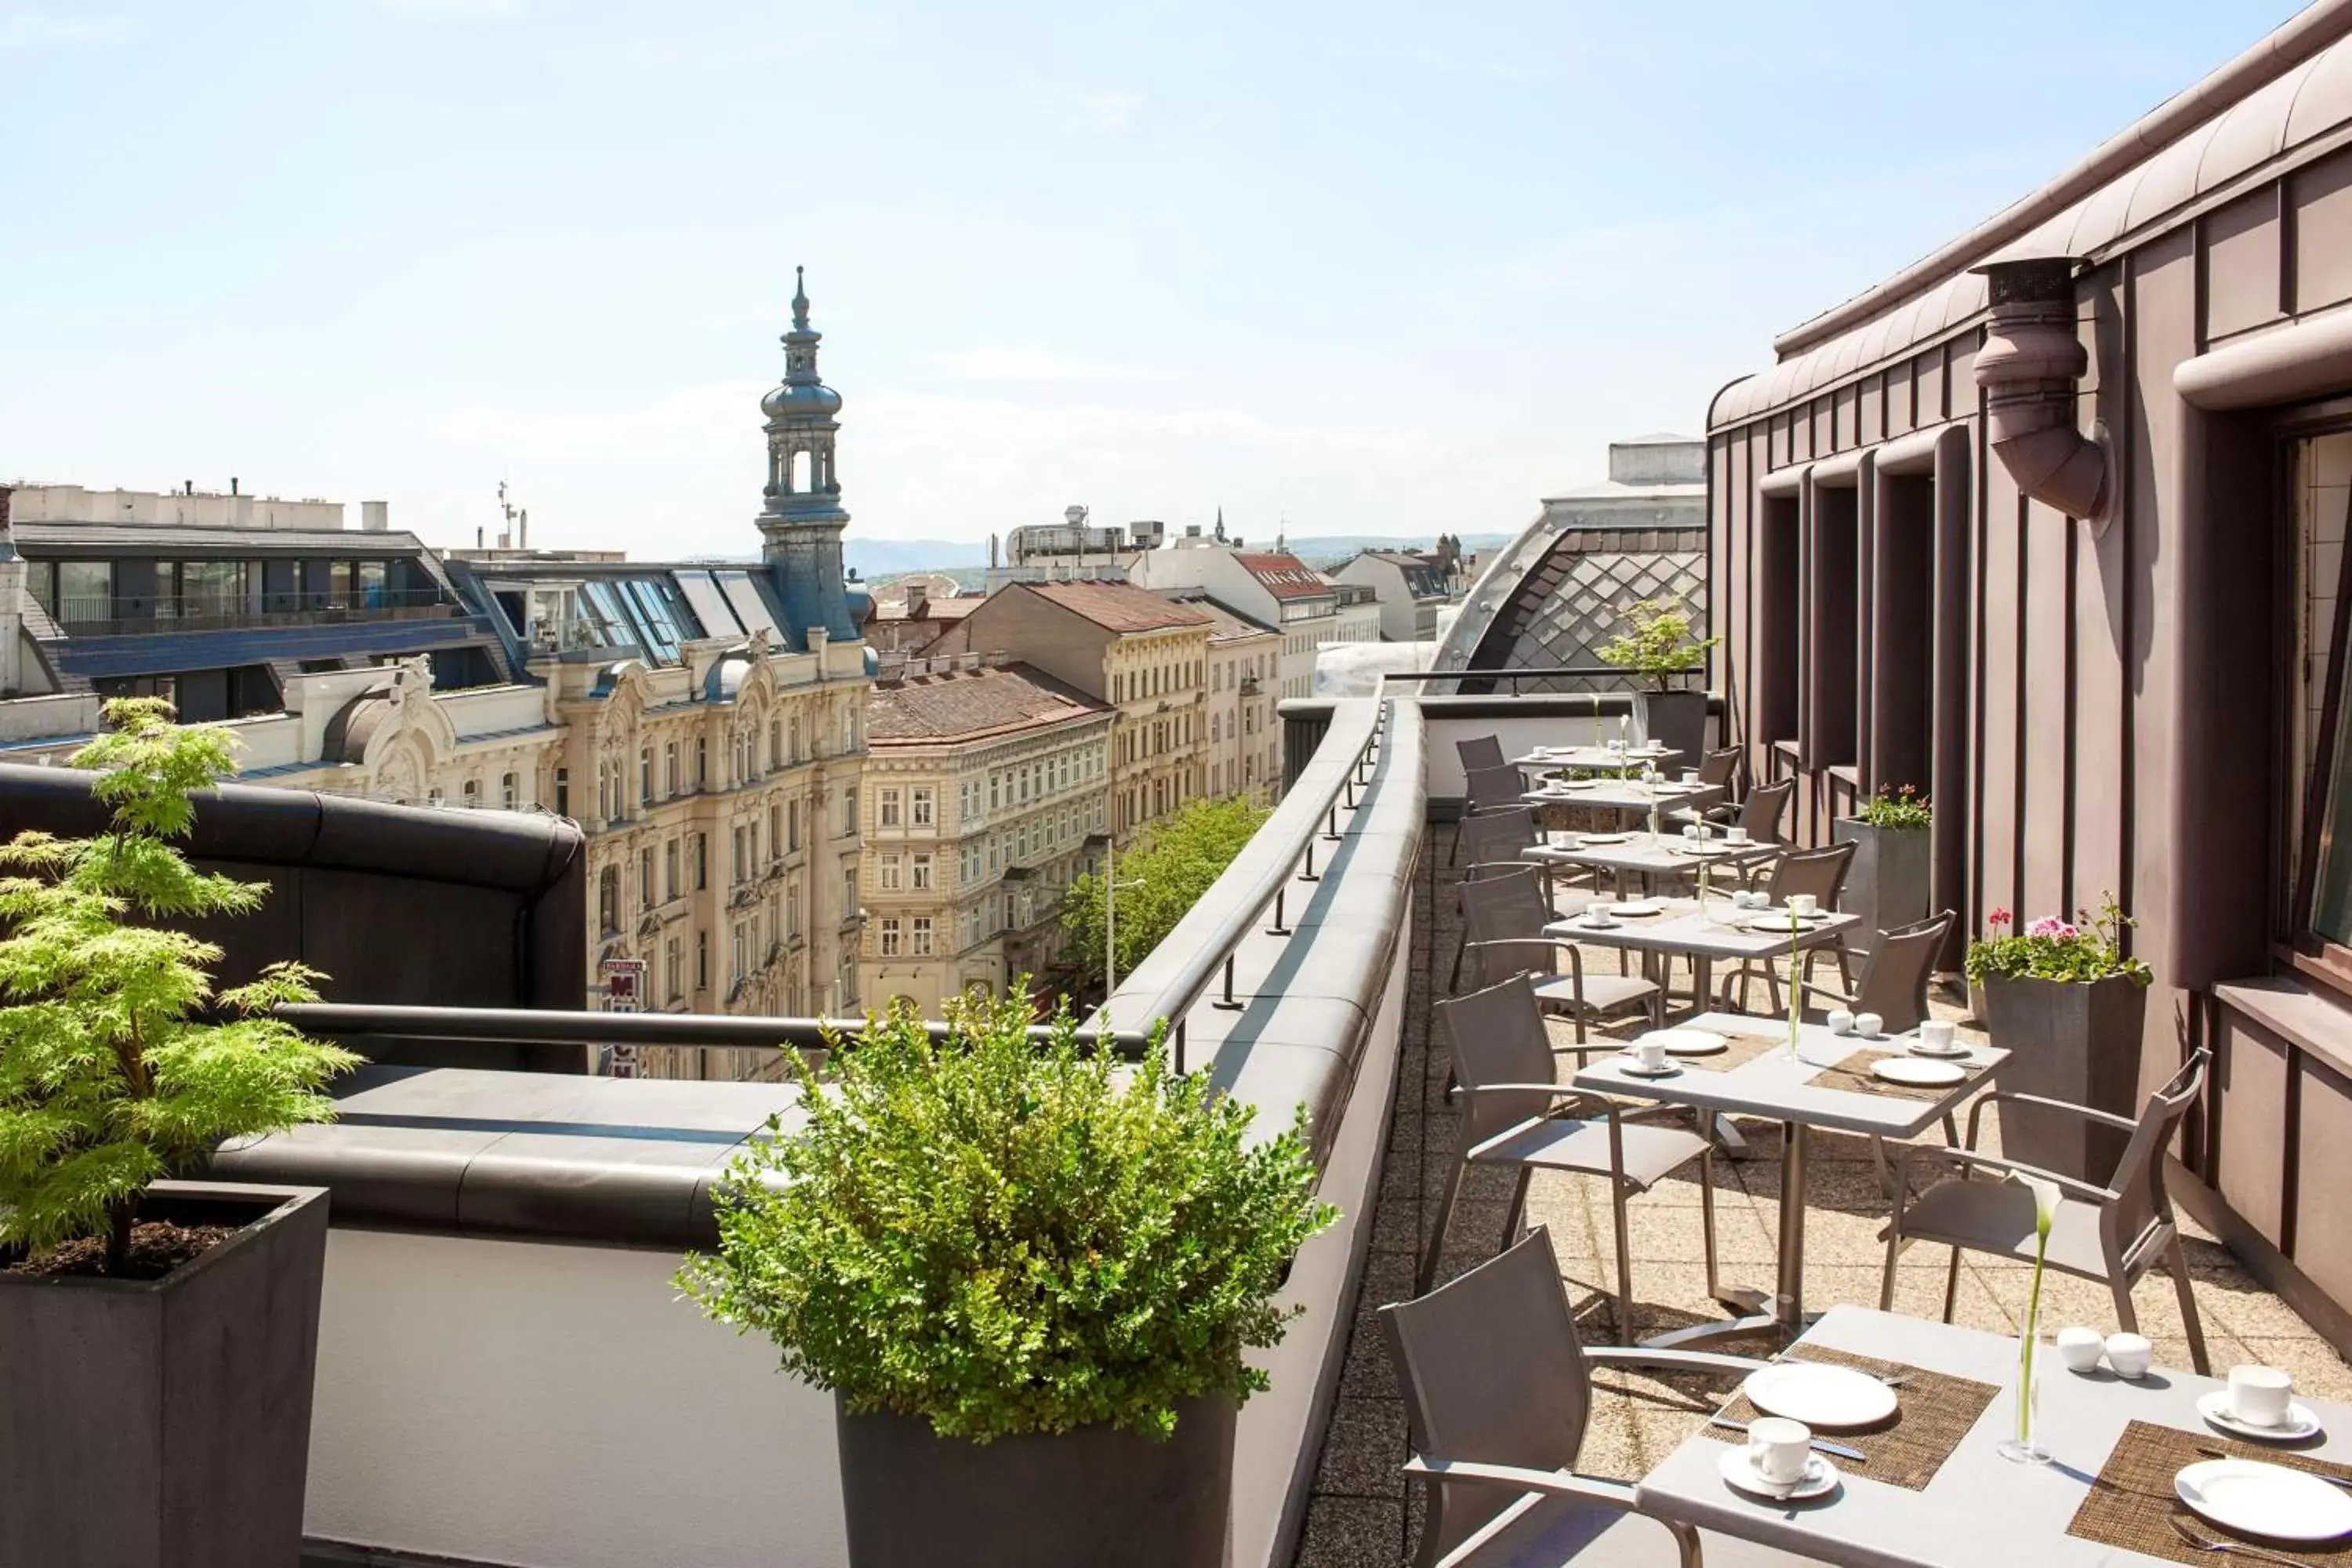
x: 1227, y: 1003
x: 1308, y: 875
x: 1278, y: 928
x: 1331, y: 824
x: 1179, y: 1047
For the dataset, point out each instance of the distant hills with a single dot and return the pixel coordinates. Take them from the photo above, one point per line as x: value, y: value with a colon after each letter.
x: 878, y: 560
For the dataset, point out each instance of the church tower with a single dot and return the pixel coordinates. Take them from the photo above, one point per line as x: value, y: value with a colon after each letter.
x: 802, y: 519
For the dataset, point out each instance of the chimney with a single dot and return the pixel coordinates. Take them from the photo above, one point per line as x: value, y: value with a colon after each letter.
x: 2029, y: 369
x: 522, y: 529
x: 477, y: 536
x: 232, y: 484
x: 189, y: 486
x: 376, y: 516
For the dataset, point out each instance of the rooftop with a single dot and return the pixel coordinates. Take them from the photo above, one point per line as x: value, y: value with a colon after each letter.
x: 945, y: 706
x: 1286, y: 576
x: 1229, y: 626
x: 1115, y: 607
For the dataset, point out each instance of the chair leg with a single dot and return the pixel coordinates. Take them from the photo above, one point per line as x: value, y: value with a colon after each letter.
x: 1706, y: 1206
x: 1461, y: 951
x: 1687, y: 1548
x: 1624, y: 1264
x: 1886, y: 1171
x: 1437, y: 1223
x: 1894, y: 1251
x: 2126, y: 1315
x: 2176, y: 1259
x: 1518, y: 1210
x: 1952, y: 1286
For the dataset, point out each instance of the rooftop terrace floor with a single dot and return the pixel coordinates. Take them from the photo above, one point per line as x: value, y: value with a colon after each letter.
x: 1362, y: 1514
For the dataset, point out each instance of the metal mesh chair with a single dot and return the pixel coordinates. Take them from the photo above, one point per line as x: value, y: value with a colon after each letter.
x: 1497, y: 1393
x: 1517, y: 1116
x: 1819, y: 874
x: 2113, y: 1233
x: 1502, y: 920
x: 1492, y: 791
x: 1895, y: 974
x: 1479, y: 752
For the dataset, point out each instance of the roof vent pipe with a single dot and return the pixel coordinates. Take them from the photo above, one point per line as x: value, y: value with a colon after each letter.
x: 2031, y: 364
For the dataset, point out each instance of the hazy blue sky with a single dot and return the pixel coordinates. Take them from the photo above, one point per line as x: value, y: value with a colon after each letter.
x: 1383, y: 268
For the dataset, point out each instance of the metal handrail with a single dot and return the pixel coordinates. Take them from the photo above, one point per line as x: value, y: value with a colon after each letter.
x: 1531, y: 672
x: 525, y: 1025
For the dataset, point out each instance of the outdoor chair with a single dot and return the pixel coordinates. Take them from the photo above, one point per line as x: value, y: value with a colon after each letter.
x: 1717, y: 768
x: 1491, y: 790
x: 1479, y: 752
x: 1761, y: 812
x: 1820, y: 873
x: 1498, y: 1394
x: 1895, y: 974
x: 1502, y: 920
x: 1515, y: 1115
x: 1524, y: 877
x: 2113, y: 1233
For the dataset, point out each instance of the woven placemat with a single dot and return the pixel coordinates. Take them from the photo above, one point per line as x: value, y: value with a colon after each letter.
x: 1740, y: 1051
x: 2132, y: 1503
x: 1933, y: 1412
x: 1853, y: 1075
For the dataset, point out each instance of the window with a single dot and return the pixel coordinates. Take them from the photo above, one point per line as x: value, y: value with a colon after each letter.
x: 510, y: 792
x: 791, y: 825
x: 702, y: 961
x: 1833, y: 616
x: 670, y: 868
x: 669, y: 768
x: 673, y: 969
x: 469, y: 794
x: 775, y: 743
x: 795, y: 732
x: 849, y: 891
x: 735, y: 945
x: 920, y: 802
x: 848, y: 812
x: 792, y: 910
x: 887, y: 873
x: 701, y: 762
x: 645, y: 878
x: 608, y: 899
x: 920, y: 877
x: 563, y: 792
x: 775, y: 831
x: 701, y: 860
x: 887, y: 943
x: 645, y: 776
x: 736, y: 861
x: 921, y: 931
x: 885, y: 808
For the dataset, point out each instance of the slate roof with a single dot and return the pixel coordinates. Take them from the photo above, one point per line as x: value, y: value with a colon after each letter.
x: 1116, y: 607
x: 1286, y: 576
x: 971, y: 705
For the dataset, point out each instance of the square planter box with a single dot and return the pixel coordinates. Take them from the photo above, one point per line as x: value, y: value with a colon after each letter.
x: 166, y: 1423
x: 1887, y: 884
x: 2073, y: 1042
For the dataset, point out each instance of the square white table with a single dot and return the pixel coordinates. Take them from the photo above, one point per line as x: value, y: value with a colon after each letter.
x: 1639, y: 855
x: 1601, y: 756
x: 1629, y: 796
x: 1780, y: 1087
x: 1703, y: 935
x: 1980, y: 1509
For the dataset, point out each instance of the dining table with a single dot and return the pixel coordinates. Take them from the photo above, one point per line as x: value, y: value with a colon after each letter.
x: 1703, y: 931
x: 1630, y: 857
x: 1934, y: 1489
x: 1595, y: 758
x: 1827, y: 1081
x: 1631, y: 798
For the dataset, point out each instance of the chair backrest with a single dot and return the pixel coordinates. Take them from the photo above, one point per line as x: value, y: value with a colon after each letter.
x: 1718, y: 767
x: 2128, y: 1224
x: 1761, y: 812
x: 1498, y: 1035
x: 1504, y: 909
x: 1479, y: 752
x: 1894, y: 975
x: 1821, y: 872
x: 1491, y: 1372
x: 1495, y: 789
x: 1498, y: 835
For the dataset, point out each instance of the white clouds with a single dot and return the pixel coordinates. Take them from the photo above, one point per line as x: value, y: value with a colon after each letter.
x: 29, y: 30
x: 1110, y: 112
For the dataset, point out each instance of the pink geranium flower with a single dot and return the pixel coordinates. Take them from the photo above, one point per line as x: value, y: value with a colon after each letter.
x: 1998, y: 918
x: 2050, y: 925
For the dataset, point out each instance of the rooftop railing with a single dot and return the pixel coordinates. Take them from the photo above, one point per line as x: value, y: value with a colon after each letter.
x: 125, y: 616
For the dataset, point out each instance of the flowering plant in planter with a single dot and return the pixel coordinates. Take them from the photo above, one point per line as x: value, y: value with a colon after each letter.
x: 1000, y: 1239
x: 1902, y: 806
x: 2080, y: 951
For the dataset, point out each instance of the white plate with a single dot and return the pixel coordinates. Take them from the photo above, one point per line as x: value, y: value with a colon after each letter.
x: 1706, y: 847
x: 1630, y: 1066
x: 1593, y: 838
x: 2255, y: 1499
x: 1688, y: 1042
x: 1637, y: 907
x: 1820, y: 1478
x: 1581, y: 923
x: 1779, y: 922
x: 1918, y: 1071
x: 2300, y: 1422
x: 1824, y: 1397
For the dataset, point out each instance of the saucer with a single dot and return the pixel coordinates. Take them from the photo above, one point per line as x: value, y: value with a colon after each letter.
x: 1919, y: 1048
x: 1820, y: 1478
x: 1630, y: 1066
x: 2300, y: 1422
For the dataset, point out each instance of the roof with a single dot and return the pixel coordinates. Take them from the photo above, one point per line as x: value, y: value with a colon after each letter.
x: 1227, y: 626
x: 169, y: 537
x: 970, y: 705
x: 953, y: 609
x: 1116, y: 607
x: 1286, y: 576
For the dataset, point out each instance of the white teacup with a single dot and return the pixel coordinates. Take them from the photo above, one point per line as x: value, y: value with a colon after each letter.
x: 1935, y: 1035
x: 1735, y: 834
x: 1779, y: 1450
x: 1651, y: 1054
x: 2129, y: 1355
x: 1840, y: 1022
x: 1869, y: 1026
x: 2081, y: 1348
x: 1688, y: 775
x: 1803, y: 905
x: 2259, y: 1395
x: 1601, y: 911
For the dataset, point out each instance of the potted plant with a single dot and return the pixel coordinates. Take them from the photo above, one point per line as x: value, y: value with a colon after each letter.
x: 157, y: 1336
x: 1887, y: 882
x: 1656, y: 642
x: 1029, y: 1275
x: 2067, y: 1003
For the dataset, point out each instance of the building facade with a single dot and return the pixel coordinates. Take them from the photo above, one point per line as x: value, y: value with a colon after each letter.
x: 1273, y: 589
x: 1413, y: 590
x: 985, y: 781
x: 1144, y: 655
x: 1245, y: 755
x: 2052, y: 524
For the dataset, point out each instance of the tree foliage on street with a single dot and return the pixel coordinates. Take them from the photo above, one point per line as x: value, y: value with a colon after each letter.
x: 1160, y: 880
x: 112, y: 1075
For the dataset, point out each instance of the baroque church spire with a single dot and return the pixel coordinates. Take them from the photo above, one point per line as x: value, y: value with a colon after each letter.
x: 801, y: 516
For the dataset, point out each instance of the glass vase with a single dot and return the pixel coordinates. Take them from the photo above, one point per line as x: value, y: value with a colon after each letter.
x: 2023, y: 1445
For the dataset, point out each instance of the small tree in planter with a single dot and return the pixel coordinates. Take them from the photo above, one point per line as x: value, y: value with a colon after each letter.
x: 2068, y: 1003
x: 1889, y: 884
x: 112, y: 1078
x: 1029, y: 1277
x: 1656, y: 642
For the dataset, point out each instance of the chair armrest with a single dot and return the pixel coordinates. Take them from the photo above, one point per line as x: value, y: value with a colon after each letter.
x: 1555, y: 945
x: 1968, y: 1160
x: 1670, y: 1360
x: 2041, y: 1103
x: 1519, y: 1479
x: 1475, y: 1088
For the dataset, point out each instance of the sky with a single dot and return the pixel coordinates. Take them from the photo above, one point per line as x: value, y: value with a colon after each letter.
x: 1356, y: 268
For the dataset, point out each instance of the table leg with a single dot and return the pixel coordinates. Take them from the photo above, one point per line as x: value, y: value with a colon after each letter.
x: 1783, y: 1312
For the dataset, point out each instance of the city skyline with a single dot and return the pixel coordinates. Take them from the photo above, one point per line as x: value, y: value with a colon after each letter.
x: 1337, y: 273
